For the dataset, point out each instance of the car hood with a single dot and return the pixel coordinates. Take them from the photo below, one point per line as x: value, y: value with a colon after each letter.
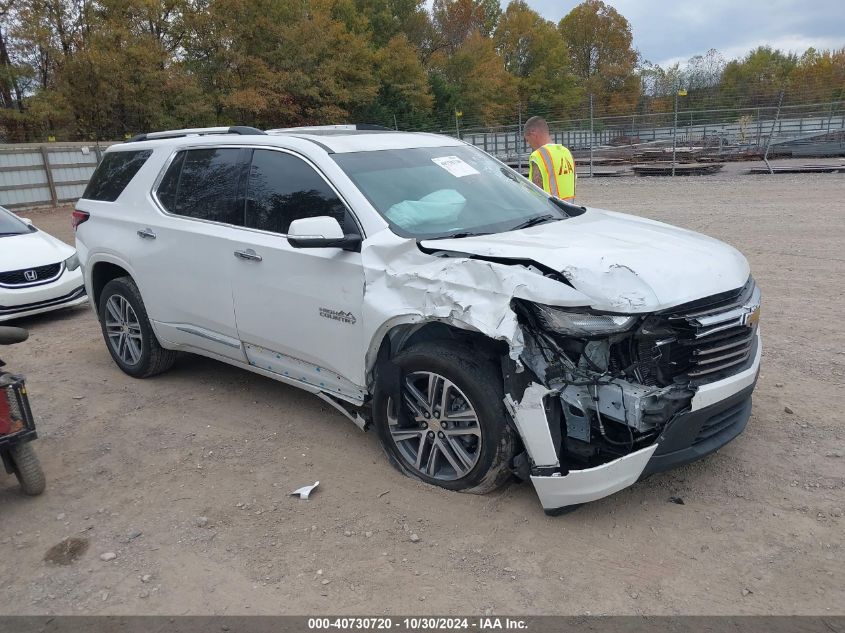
x: 30, y: 250
x: 622, y: 263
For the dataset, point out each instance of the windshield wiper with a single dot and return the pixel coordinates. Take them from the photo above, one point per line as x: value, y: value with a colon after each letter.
x: 540, y: 219
x: 460, y: 234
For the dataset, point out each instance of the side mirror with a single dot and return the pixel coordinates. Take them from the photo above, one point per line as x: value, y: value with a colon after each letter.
x: 321, y: 232
x: 26, y: 221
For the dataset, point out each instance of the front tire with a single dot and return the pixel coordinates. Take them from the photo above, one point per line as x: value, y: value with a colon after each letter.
x: 27, y: 469
x: 455, y: 433
x: 127, y: 331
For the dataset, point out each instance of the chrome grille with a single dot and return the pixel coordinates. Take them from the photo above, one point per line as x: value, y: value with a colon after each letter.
x: 698, y: 342
x: 715, y: 338
x: 30, y: 276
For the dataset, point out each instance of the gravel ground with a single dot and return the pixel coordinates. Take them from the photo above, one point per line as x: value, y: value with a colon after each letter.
x: 184, y: 478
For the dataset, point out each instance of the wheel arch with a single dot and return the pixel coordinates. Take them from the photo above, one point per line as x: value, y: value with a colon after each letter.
x: 402, y: 332
x: 102, y: 271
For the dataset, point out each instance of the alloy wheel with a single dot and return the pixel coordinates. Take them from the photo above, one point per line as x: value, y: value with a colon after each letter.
x: 441, y: 437
x: 123, y: 330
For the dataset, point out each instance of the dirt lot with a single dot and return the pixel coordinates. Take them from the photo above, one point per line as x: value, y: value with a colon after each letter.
x: 131, y: 465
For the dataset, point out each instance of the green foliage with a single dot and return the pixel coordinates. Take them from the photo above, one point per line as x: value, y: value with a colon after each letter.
x: 474, y: 81
x: 601, y: 51
x: 760, y: 76
x: 103, y: 69
x: 534, y: 52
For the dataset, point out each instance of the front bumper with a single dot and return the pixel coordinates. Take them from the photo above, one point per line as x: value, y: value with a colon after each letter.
x: 62, y: 293
x: 695, y: 434
x: 688, y: 436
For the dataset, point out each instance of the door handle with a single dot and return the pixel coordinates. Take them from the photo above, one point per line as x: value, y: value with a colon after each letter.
x: 147, y: 234
x: 249, y: 255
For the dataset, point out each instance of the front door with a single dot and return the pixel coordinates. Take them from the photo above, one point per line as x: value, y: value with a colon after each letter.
x: 298, y: 311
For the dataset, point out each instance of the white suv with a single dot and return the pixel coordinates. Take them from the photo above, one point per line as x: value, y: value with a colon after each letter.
x: 417, y: 284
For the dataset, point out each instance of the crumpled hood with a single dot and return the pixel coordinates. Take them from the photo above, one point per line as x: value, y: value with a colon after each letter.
x: 624, y: 263
x: 30, y: 250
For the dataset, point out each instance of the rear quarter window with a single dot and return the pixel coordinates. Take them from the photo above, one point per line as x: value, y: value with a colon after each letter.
x: 205, y: 184
x: 114, y: 173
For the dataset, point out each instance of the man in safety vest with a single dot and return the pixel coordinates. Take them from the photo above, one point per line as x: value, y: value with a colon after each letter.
x: 551, y: 166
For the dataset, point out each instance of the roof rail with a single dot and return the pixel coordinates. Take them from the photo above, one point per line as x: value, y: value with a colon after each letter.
x: 196, y: 131
x: 352, y: 127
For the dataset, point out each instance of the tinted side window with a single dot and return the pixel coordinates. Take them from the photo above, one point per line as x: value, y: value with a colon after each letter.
x: 166, y: 191
x: 114, y: 173
x: 283, y: 188
x: 207, y: 186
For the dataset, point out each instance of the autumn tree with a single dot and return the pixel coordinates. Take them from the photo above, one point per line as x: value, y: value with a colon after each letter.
x: 757, y: 79
x: 659, y: 86
x: 13, y: 76
x: 601, y: 51
x: 281, y: 62
x: 385, y: 19
x: 454, y: 21
x: 474, y: 81
x: 818, y: 76
x: 97, y: 69
x: 704, y: 72
x: 700, y: 77
x: 404, y: 95
x: 44, y: 34
x: 535, y: 53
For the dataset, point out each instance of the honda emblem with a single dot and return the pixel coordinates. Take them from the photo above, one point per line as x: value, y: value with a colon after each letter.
x: 30, y: 275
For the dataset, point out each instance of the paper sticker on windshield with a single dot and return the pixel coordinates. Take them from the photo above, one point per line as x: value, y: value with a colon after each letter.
x: 455, y: 166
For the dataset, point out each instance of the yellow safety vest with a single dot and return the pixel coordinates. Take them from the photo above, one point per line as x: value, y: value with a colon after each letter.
x: 555, y: 161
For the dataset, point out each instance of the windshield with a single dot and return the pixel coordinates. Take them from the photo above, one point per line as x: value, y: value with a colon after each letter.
x: 10, y: 225
x: 435, y: 192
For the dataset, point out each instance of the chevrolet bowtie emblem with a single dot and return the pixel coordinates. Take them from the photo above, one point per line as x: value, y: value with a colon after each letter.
x: 752, y: 318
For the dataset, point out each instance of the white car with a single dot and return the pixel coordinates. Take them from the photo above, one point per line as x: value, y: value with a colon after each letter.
x: 420, y: 286
x: 38, y: 273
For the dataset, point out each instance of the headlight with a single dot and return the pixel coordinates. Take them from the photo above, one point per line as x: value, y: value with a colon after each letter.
x: 72, y: 262
x: 571, y: 323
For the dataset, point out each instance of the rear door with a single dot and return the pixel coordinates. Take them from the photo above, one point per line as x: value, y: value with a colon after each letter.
x: 298, y: 310
x: 183, y: 258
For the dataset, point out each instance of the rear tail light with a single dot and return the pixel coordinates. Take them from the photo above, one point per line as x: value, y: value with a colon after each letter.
x: 78, y: 218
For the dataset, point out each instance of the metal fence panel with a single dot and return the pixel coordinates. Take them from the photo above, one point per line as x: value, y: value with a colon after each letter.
x: 37, y: 175
x: 30, y: 197
x: 20, y: 178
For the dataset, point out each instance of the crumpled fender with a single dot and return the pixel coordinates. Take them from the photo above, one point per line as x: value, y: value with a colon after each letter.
x: 468, y: 293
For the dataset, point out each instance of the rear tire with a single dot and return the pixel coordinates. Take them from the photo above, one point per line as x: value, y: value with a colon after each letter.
x: 127, y: 331
x: 27, y: 469
x: 463, y: 425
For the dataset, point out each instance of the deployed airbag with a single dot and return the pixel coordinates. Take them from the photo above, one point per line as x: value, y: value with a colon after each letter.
x: 439, y: 207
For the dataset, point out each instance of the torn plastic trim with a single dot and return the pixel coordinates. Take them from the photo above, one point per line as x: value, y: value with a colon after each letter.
x: 558, y: 490
x: 530, y: 419
x: 355, y: 417
x: 580, y: 486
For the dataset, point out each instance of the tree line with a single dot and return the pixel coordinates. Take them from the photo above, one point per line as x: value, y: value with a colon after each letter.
x: 104, y: 69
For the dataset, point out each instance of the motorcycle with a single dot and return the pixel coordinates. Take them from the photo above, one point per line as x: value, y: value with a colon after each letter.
x: 17, y: 426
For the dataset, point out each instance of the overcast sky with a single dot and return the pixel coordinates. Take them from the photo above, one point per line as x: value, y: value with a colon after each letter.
x: 666, y: 31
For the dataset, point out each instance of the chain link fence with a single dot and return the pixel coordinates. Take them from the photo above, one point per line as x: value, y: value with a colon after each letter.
x: 681, y: 141
x: 684, y: 137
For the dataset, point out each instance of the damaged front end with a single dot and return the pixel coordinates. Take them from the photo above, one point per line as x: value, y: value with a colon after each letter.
x: 605, y: 380
x: 609, y: 398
